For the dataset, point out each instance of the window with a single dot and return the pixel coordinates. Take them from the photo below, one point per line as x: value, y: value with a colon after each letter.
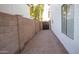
x: 67, y: 13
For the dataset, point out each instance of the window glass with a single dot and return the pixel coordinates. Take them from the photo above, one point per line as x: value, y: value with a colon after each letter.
x: 68, y: 20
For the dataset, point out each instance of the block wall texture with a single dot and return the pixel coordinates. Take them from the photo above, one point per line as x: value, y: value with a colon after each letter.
x: 15, y: 32
x: 8, y: 33
x: 26, y: 30
x: 37, y: 26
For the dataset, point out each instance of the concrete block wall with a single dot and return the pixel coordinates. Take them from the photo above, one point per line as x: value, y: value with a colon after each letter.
x: 37, y: 26
x: 15, y: 31
x: 8, y: 33
x: 26, y: 28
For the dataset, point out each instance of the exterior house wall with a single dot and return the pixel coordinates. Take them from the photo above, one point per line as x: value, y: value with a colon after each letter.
x: 72, y: 46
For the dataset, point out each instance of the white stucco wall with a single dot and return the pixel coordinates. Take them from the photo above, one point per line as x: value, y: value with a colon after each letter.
x: 19, y: 9
x: 72, y: 46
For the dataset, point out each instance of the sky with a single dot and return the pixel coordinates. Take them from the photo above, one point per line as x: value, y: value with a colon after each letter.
x: 45, y: 13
